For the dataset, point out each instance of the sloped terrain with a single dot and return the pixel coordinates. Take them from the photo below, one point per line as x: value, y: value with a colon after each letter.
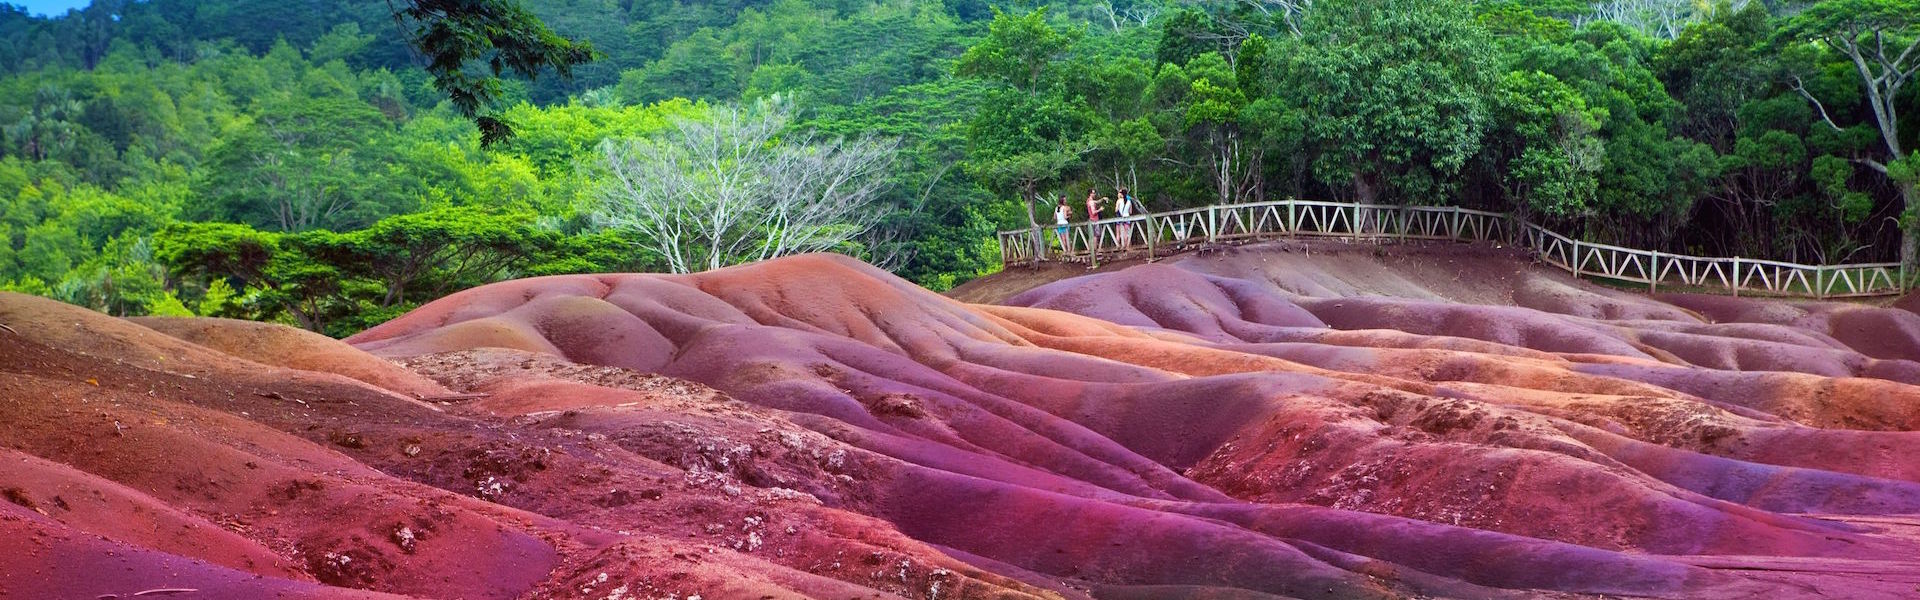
x: 141, y: 463
x: 1276, y: 421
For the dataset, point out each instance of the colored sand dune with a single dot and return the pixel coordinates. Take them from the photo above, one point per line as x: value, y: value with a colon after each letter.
x: 1278, y: 421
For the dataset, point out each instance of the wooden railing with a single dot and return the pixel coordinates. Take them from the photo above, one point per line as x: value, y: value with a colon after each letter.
x: 1159, y: 233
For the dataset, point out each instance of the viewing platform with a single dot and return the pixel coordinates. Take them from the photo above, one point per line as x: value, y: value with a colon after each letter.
x: 1156, y: 234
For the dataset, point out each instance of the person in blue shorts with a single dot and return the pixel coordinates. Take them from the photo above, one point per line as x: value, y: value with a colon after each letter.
x: 1060, y: 215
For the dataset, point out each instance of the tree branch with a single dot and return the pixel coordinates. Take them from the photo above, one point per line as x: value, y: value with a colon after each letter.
x: 1908, y: 53
x: 1798, y: 86
x: 1872, y: 164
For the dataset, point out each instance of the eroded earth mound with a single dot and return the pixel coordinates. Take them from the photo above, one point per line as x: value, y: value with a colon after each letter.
x: 1279, y: 421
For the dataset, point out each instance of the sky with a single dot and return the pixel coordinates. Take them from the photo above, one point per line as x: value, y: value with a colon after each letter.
x: 48, y: 7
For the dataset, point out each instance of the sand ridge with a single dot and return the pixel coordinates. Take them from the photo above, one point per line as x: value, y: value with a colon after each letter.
x: 1259, y: 382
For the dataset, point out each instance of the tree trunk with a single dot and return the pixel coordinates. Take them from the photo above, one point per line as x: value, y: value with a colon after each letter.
x: 1909, y: 233
x: 1363, y: 189
x: 1028, y: 192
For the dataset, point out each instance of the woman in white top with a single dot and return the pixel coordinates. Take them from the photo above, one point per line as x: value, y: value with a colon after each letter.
x: 1123, y: 206
x: 1060, y: 214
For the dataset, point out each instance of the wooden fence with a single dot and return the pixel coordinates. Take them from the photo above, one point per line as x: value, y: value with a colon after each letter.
x: 1160, y: 233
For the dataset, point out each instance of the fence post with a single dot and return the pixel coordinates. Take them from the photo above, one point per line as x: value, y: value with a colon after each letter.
x: 1576, y: 259
x: 1151, y: 234
x: 1213, y: 223
x: 1736, y: 277
x: 1653, y: 280
x: 1093, y: 244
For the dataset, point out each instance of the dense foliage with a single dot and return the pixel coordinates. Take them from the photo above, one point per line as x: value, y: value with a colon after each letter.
x: 297, y: 160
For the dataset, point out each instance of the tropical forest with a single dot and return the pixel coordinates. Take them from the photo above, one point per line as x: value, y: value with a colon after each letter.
x: 296, y: 161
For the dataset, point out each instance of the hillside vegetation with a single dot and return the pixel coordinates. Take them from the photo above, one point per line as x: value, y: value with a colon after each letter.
x: 292, y: 161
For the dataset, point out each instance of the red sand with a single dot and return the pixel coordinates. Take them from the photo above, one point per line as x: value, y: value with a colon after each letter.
x: 1290, y: 421
x: 293, y: 348
x: 242, y: 482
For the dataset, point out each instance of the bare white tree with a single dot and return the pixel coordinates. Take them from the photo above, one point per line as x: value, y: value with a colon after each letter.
x: 1289, y: 11
x: 1139, y: 15
x: 736, y: 186
x: 1660, y: 18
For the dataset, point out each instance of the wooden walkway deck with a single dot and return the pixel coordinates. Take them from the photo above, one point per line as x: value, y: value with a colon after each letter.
x: 1195, y: 227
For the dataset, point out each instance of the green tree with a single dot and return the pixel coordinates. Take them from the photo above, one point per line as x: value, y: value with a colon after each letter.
x: 226, y: 263
x: 217, y: 250
x: 1214, y: 102
x: 49, y: 250
x: 46, y: 129
x: 122, y: 279
x: 500, y: 34
x: 1397, y: 89
x: 308, y: 163
x: 338, y: 283
x: 696, y: 67
x: 1881, y: 38
x: 1016, y: 51
x: 344, y: 43
x: 1646, y: 176
x: 1712, y: 70
x: 1184, y: 36
x: 1547, y: 146
x: 315, y: 293
x: 1028, y: 146
x: 1038, y: 134
x: 433, y: 253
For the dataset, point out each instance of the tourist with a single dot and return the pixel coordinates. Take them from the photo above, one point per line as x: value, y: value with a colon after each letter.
x: 1123, y: 208
x: 1060, y: 214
